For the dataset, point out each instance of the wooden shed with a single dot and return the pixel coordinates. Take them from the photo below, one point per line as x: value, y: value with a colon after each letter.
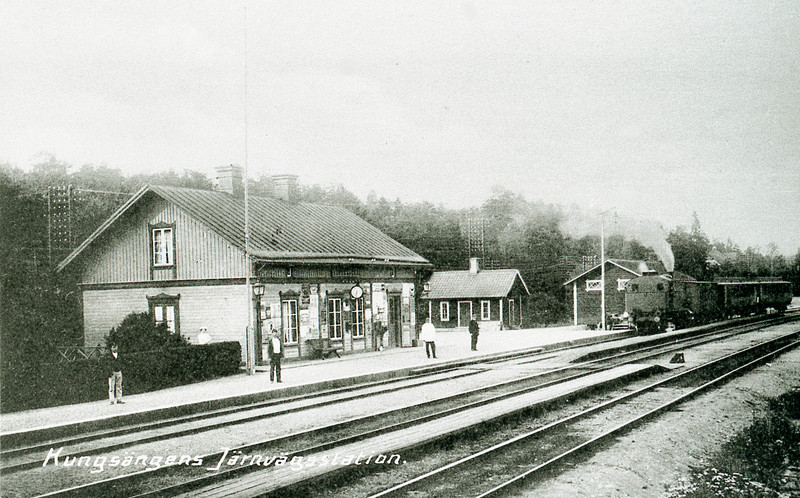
x: 586, y: 288
x: 495, y: 297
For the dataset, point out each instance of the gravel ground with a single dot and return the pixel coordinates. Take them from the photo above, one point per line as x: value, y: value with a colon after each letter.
x: 648, y: 461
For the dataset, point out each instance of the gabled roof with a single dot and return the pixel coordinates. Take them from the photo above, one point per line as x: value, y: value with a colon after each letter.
x: 279, y: 230
x: 635, y: 267
x: 463, y: 284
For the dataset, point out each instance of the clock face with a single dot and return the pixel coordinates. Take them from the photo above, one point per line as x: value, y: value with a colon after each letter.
x: 356, y: 292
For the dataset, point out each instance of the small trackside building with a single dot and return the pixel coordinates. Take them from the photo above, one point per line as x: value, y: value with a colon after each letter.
x: 495, y: 297
x: 584, y: 289
x: 317, y: 272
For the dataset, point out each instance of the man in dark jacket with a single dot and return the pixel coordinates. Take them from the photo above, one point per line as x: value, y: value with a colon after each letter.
x: 275, y: 353
x: 473, y: 331
x: 115, y: 376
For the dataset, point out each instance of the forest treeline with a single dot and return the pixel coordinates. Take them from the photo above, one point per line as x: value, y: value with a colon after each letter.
x: 41, y: 309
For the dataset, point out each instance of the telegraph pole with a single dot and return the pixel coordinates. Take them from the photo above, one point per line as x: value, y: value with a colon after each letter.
x: 603, y: 269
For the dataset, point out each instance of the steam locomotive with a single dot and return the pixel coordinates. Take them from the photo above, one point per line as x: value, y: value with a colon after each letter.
x: 656, y: 302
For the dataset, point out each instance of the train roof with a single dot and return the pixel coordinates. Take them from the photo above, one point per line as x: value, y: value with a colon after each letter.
x: 751, y: 281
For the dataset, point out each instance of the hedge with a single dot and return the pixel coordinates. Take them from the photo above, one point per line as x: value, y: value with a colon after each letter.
x: 54, y: 384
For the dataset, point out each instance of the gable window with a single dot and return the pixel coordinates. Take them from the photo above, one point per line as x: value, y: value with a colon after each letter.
x: 335, y: 318
x: 163, y: 246
x: 594, y: 285
x: 164, y: 309
x: 358, y: 317
x: 444, y: 311
x: 486, y: 310
x: 621, y: 283
x: 291, y: 329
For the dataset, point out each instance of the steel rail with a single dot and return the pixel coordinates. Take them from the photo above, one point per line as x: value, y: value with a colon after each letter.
x: 233, y: 473
x: 505, y: 445
x: 339, y: 426
x: 6, y: 438
x: 137, y: 428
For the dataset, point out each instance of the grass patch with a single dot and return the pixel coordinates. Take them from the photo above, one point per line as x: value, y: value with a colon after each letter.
x: 753, y: 462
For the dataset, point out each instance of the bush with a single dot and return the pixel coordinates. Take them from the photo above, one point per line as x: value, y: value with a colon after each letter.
x: 138, y: 332
x: 53, y: 384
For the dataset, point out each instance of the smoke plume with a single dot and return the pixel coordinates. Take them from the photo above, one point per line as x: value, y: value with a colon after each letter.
x: 577, y: 224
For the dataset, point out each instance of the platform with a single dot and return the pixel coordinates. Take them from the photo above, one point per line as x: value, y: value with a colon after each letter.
x: 298, y: 377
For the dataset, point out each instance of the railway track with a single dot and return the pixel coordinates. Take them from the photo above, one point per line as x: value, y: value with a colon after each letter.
x: 183, y: 478
x: 586, y: 430
x: 32, y: 455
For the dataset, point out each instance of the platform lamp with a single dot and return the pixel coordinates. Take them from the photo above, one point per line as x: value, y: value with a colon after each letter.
x: 258, y: 291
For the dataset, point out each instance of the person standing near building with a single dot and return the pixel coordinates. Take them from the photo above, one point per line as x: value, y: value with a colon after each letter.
x: 115, y: 376
x: 428, y: 334
x: 275, y: 352
x: 473, y: 331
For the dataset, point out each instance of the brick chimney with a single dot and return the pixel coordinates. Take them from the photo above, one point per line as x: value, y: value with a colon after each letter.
x: 284, y: 187
x: 473, y: 265
x: 230, y: 179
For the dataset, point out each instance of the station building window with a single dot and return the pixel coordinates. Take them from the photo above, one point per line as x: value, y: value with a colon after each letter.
x: 594, y: 285
x: 621, y: 283
x: 163, y: 246
x: 358, y: 317
x: 486, y: 310
x: 335, y: 318
x: 291, y: 329
x: 444, y: 311
x: 164, y: 310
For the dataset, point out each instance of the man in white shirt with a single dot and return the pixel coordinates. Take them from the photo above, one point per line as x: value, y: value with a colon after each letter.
x: 428, y: 334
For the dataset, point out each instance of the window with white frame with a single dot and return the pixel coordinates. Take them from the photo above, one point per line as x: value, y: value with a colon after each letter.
x: 594, y: 285
x: 335, y: 318
x: 444, y: 311
x: 291, y: 329
x: 621, y: 283
x: 162, y: 246
x: 358, y: 317
x: 486, y: 310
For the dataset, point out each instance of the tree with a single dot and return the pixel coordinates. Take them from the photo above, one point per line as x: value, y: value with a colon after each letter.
x: 691, y: 249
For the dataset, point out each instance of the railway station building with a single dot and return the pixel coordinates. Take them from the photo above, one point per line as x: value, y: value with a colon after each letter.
x: 495, y: 297
x: 584, y: 289
x: 317, y: 273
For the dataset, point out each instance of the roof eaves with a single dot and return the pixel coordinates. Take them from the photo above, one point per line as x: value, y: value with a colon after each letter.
x: 103, y: 227
x: 598, y: 266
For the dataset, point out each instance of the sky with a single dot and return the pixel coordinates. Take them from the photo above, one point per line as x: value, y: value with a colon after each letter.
x: 653, y: 110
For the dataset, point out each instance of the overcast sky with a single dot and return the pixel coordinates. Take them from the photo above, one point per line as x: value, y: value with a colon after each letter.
x: 654, y: 109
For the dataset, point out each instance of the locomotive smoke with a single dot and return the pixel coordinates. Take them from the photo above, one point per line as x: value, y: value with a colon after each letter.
x: 577, y: 223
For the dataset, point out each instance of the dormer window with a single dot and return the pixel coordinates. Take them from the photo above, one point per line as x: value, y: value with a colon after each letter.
x: 163, y: 246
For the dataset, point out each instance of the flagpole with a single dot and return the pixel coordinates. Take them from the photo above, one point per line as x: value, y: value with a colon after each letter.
x: 250, y: 342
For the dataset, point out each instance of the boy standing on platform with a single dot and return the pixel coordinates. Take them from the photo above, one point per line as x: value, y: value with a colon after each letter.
x: 115, y: 376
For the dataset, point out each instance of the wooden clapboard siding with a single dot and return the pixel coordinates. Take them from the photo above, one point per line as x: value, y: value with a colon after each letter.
x: 103, y: 310
x: 124, y: 255
x: 221, y: 309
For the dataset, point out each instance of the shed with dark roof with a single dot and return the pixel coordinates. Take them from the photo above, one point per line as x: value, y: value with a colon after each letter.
x: 321, y: 271
x: 495, y: 297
